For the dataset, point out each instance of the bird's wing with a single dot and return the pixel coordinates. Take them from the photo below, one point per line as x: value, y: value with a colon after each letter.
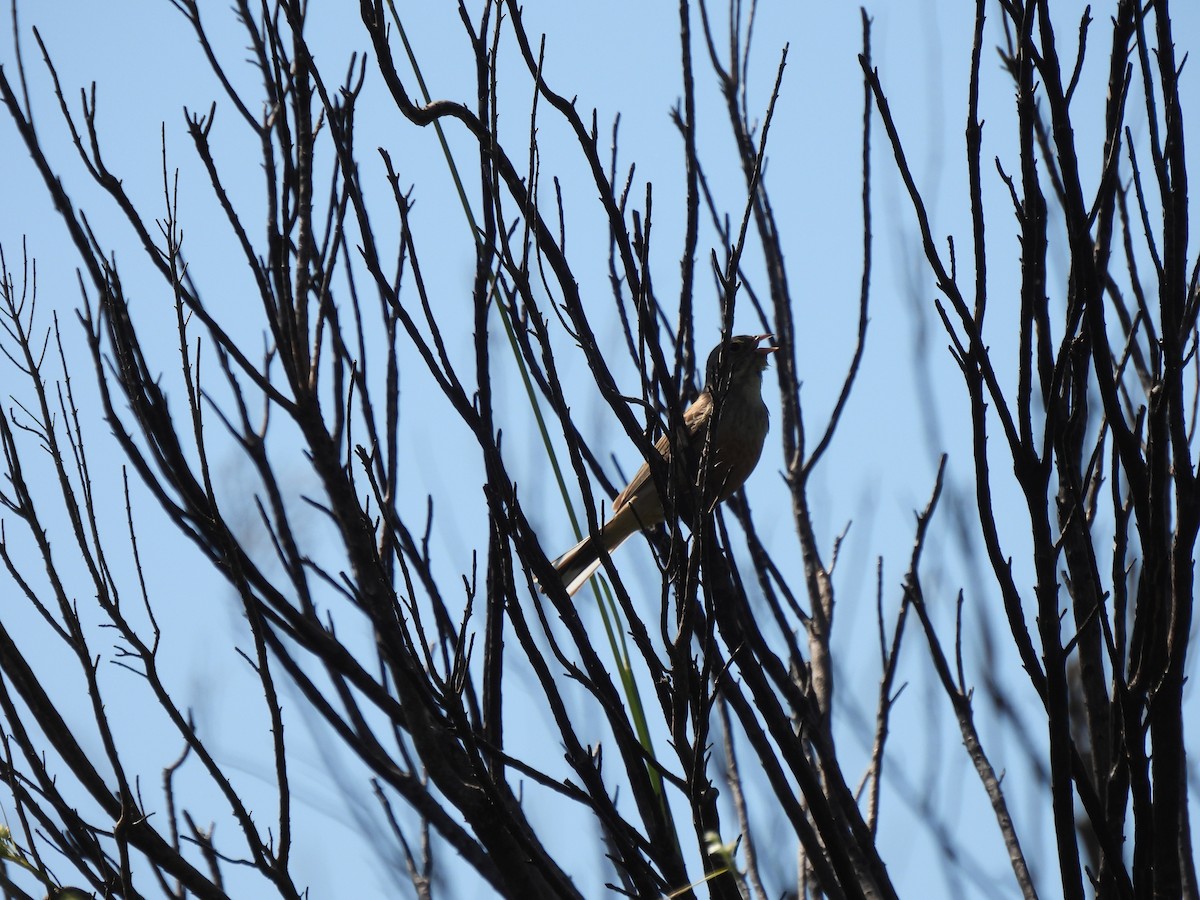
x: 696, y: 416
x: 694, y: 419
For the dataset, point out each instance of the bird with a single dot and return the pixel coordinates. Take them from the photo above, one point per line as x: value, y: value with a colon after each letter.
x: 734, y: 448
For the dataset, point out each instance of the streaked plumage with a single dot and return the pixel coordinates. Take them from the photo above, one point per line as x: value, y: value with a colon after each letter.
x: 734, y: 449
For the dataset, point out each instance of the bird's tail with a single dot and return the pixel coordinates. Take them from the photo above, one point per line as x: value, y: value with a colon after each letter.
x: 580, y: 563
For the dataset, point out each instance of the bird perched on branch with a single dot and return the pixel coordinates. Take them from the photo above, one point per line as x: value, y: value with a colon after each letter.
x: 733, y: 451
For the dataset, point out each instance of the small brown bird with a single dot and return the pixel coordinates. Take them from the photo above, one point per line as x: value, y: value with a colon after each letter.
x: 734, y: 448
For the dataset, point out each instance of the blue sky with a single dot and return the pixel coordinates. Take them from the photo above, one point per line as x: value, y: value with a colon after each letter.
x: 616, y: 57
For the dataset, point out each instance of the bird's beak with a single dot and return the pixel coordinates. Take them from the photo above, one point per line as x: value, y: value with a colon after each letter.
x: 764, y: 351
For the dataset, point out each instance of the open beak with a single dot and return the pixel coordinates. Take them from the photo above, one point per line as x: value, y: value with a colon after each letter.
x: 764, y: 351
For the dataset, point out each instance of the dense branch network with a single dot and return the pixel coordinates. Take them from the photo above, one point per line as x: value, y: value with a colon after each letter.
x: 715, y: 690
